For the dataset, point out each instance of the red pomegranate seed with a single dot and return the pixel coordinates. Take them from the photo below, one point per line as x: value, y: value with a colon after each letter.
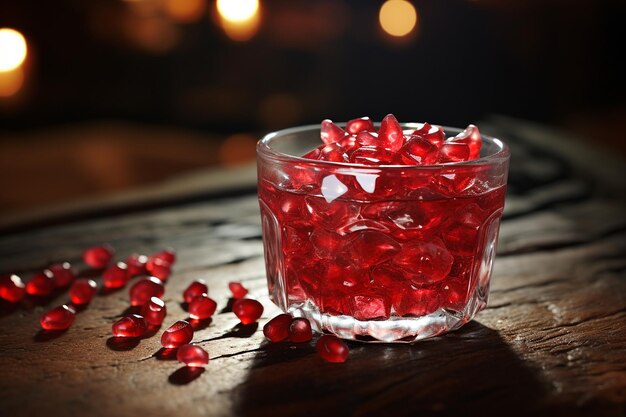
x: 154, y: 311
x: 300, y: 331
x: 433, y: 134
x: 195, y: 289
x: 59, y: 318
x: 359, y: 125
x: 238, y: 290
x: 83, y: 290
x: 332, y: 349
x: 247, y: 310
x: 334, y: 153
x: 116, y: 276
x: 277, y: 329
x: 136, y: 265
x: 192, y: 355
x: 330, y: 132
x: 11, y: 288
x: 62, y: 274
x: 98, y: 257
x: 202, y: 307
x: 41, y: 284
x: 144, y: 289
x: 390, y: 134
x: 166, y: 255
x: 417, y: 150
x: 367, y: 139
x: 178, y: 334
x: 159, y: 268
x: 470, y: 137
x: 130, y: 326
x: 454, y: 152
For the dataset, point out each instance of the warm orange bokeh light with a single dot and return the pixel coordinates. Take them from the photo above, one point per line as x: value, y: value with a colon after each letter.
x: 11, y: 82
x: 240, y: 19
x: 185, y: 11
x: 237, y: 149
x: 398, y: 18
x: 13, y: 49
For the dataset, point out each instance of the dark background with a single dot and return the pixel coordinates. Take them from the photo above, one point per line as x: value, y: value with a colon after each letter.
x: 118, y: 94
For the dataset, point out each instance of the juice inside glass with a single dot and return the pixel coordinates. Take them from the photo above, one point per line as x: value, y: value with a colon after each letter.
x: 390, y: 253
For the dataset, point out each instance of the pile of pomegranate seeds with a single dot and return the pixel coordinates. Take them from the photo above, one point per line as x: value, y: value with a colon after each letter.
x: 360, y: 143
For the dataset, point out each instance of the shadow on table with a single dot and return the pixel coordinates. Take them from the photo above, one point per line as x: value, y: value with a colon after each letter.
x: 468, y: 372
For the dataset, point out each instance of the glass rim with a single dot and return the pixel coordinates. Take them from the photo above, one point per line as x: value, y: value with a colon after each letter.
x: 264, y: 149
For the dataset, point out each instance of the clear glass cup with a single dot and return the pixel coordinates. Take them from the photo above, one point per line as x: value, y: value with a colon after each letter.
x: 388, y: 253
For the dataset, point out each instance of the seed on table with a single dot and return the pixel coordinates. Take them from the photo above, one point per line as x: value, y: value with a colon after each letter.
x: 332, y: 349
x: 247, y: 310
x: 12, y: 288
x: 83, y: 290
x: 133, y: 325
x: 159, y: 268
x: 98, y: 257
x: 192, y: 355
x: 116, y: 276
x: 41, y: 284
x: 195, y: 289
x: 178, y: 334
x: 277, y: 329
x: 144, y: 289
x: 59, y: 318
x: 300, y: 330
x: 166, y: 255
x: 154, y: 311
x: 238, y: 290
x: 62, y: 274
x: 202, y: 307
x: 136, y: 264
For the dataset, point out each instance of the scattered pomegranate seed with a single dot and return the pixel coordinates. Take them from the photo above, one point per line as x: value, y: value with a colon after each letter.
x: 202, y: 307
x: 277, y: 329
x: 41, y: 284
x: 195, y: 289
x: 159, y: 268
x: 11, y: 288
x: 192, y: 355
x: 332, y: 349
x: 166, y: 255
x: 238, y: 290
x: 116, y: 276
x: 330, y: 132
x: 178, y: 334
x: 83, y: 290
x: 62, y: 274
x: 154, y: 311
x: 390, y: 134
x: 136, y: 265
x: 300, y: 331
x: 359, y: 125
x: 98, y: 257
x: 144, y: 289
x: 59, y: 318
x: 247, y: 310
x: 133, y: 325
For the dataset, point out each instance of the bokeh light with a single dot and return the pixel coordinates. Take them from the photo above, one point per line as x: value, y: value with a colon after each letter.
x: 237, y: 149
x: 397, y: 17
x: 237, y: 10
x: 185, y: 11
x: 13, y: 49
x: 11, y: 82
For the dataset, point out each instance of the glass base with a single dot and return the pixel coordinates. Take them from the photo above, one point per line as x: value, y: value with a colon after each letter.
x: 393, y: 330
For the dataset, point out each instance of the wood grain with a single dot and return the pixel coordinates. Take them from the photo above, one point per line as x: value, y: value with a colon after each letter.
x: 552, y: 342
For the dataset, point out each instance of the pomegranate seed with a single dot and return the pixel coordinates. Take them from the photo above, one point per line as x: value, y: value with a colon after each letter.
x: 116, y: 276
x: 417, y: 150
x: 196, y: 289
x: 154, y: 311
x: 83, y: 290
x: 178, y: 334
x: 334, y: 152
x: 332, y: 349
x: 433, y: 134
x: 11, y: 288
x: 314, y: 154
x: 277, y: 329
x: 62, y: 274
x: 454, y: 152
x: 133, y: 325
x: 247, y: 310
x: 166, y: 255
x: 136, y: 265
x: 470, y: 137
x: 98, y: 257
x: 192, y: 355
x: 159, y: 268
x: 300, y: 331
x: 367, y: 139
x: 330, y: 132
x: 59, y: 318
x: 390, y: 134
x: 238, y: 290
x: 144, y: 289
x: 202, y: 307
x: 359, y: 125
x: 42, y: 284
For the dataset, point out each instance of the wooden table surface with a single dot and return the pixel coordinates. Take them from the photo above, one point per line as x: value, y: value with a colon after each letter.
x: 552, y: 342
